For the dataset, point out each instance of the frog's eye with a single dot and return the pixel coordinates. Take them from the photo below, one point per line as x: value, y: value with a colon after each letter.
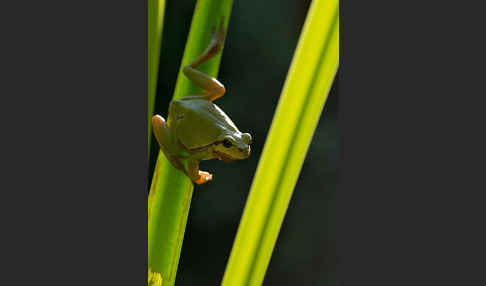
x: 227, y: 143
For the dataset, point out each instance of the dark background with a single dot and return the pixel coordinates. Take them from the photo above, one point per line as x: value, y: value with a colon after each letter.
x: 410, y: 207
x: 262, y: 37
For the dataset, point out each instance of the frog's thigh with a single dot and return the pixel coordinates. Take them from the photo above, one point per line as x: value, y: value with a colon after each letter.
x: 214, y: 89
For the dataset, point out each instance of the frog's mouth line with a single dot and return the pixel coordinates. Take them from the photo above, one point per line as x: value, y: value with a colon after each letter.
x: 222, y: 156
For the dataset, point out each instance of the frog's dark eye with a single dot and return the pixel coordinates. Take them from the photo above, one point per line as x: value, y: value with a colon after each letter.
x: 227, y: 143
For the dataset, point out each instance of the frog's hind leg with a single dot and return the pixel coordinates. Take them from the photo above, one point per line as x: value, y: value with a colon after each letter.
x: 214, y: 89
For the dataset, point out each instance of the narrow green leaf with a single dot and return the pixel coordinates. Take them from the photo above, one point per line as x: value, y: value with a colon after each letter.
x: 155, y: 15
x: 171, y: 191
x: 305, y: 91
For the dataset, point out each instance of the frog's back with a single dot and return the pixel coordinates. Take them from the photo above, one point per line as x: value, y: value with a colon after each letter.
x: 200, y: 122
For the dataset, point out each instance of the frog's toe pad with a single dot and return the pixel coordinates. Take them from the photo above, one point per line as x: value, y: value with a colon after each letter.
x: 203, y: 177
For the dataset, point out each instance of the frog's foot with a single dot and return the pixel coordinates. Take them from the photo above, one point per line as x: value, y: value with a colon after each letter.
x: 204, y: 177
x: 217, y: 41
x: 218, y: 37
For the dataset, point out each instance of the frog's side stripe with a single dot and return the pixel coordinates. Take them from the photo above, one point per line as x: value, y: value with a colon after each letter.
x: 205, y: 147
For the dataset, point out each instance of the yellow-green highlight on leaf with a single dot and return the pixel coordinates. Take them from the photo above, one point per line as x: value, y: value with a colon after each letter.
x: 303, y: 96
x: 154, y: 278
x: 171, y: 190
x: 155, y: 15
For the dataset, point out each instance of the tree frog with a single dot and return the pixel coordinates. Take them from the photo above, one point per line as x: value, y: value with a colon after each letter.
x: 197, y: 129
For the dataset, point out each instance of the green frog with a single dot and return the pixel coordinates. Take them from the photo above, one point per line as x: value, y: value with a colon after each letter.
x: 197, y: 129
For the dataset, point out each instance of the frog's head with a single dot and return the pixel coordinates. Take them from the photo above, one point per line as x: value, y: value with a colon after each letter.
x: 233, y: 147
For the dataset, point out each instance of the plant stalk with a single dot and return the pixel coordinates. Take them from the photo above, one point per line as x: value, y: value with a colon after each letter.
x: 171, y: 190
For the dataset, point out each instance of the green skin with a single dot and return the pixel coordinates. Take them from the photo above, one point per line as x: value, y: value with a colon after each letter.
x: 198, y: 129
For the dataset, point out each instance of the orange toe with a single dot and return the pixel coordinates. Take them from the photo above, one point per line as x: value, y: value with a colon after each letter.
x: 203, y: 177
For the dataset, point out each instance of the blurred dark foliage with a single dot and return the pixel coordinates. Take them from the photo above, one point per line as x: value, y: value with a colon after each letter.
x: 262, y: 36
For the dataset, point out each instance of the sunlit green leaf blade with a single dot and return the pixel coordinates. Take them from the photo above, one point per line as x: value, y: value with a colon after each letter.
x: 305, y: 91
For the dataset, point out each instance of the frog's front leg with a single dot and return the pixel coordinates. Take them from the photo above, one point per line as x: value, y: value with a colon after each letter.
x: 166, y: 141
x: 214, y: 89
x: 197, y: 176
x: 169, y: 146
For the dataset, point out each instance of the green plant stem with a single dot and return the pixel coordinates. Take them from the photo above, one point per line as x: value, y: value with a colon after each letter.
x: 171, y: 191
x: 155, y: 15
x: 305, y: 91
